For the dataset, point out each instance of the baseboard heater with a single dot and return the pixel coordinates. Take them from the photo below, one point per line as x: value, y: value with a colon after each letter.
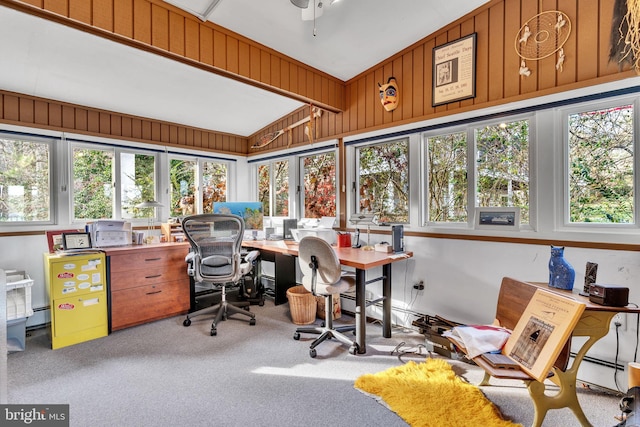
x: 600, y: 362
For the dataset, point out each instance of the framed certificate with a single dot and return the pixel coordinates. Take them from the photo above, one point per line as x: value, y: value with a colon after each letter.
x: 76, y: 241
x: 454, y: 71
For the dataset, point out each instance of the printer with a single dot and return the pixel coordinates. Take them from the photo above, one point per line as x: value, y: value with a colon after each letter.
x: 105, y: 233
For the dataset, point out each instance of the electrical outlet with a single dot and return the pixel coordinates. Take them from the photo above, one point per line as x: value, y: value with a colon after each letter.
x: 620, y: 319
x: 419, y: 286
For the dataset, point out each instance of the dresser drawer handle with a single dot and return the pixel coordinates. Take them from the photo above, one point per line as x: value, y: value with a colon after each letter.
x: 151, y: 277
x: 153, y: 259
x: 154, y: 292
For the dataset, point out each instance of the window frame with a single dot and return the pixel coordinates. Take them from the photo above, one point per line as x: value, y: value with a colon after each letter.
x: 300, y: 179
x: 50, y: 142
x: 116, y: 183
x: 562, y: 216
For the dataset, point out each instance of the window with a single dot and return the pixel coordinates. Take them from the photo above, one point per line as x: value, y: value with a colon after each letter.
x: 446, y: 163
x: 383, y: 180
x: 601, y: 166
x: 273, y: 188
x: 25, y: 180
x: 214, y: 184
x: 502, y: 166
x: 182, y: 186
x: 98, y: 194
x: 319, y: 183
x: 93, y: 195
x: 137, y: 183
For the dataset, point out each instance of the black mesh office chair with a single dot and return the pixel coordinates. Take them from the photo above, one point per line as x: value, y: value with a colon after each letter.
x: 215, y: 258
x: 323, y: 276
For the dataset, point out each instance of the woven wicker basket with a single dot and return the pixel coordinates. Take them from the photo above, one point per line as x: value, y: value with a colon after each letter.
x: 302, y: 305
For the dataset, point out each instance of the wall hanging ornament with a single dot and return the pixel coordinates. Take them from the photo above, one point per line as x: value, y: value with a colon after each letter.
x: 266, y: 139
x: 389, y: 94
x: 561, y: 273
x: 542, y: 36
x: 625, y: 34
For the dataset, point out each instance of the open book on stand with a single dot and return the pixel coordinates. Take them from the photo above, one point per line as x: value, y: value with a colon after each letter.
x: 542, y: 331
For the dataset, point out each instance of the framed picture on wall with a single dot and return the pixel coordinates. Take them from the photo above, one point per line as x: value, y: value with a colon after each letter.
x: 454, y: 71
x: 498, y: 218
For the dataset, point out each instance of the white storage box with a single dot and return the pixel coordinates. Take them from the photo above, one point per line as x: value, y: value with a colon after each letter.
x: 18, y: 294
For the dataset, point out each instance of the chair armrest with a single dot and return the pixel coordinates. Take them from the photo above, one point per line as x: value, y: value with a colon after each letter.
x: 252, y: 256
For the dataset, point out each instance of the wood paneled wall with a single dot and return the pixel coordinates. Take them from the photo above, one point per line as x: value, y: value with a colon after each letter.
x: 161, y: 28
x: 352, y: 107
x: 497, y: 64
x: 35, y: 112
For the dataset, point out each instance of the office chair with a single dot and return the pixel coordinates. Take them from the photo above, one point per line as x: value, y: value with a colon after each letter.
x: 215, y: 258
x: 323, y: 276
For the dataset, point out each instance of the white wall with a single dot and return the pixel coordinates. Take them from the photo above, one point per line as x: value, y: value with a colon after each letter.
x: 462, y: 279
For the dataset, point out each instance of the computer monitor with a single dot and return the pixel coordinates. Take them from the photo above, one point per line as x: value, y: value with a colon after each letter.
x: 251, y: 212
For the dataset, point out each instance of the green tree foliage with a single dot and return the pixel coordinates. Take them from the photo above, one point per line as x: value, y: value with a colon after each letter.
x: 92, y: 184
x: 264, y: 193
x: 24, y: 180
x: 182, y: 177
x: 502, y: 164
x: 447, y: 177
x: 601, y: 160
x: 384, y: 181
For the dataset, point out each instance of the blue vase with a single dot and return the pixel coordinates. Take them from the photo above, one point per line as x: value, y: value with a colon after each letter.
x: 561, y: 273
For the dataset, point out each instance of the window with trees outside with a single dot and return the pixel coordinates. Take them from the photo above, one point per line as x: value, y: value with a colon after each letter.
x: 214, y: 184
x: 601, y: 165
x: 25, y: 180
x: 446, y: 164
x: 273, y: 188
x: 499, y: 177
x: 95, y: 187
x: 383, y: 180
x: 319, y: 182
x: 196, y: 184
x: 502, y: 166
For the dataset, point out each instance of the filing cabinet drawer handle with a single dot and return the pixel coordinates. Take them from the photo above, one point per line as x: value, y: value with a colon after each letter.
x: 154, y: 292
x: 151, y: 277
x: 153, y: 259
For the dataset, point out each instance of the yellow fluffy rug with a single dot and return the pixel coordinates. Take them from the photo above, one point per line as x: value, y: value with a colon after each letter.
x: 430, y: 394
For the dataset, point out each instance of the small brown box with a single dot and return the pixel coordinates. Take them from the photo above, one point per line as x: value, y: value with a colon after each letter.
x: 609, y: 295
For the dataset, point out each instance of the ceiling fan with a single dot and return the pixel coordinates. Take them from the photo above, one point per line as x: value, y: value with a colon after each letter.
x: 311, y: 13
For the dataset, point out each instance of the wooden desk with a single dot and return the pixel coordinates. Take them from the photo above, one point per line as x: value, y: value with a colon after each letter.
x: 285, y: 252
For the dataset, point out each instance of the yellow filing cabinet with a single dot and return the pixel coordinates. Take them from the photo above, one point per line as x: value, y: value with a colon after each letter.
x: 77, y: 289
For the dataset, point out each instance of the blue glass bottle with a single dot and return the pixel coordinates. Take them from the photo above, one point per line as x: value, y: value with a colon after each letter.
x: 561, y: 273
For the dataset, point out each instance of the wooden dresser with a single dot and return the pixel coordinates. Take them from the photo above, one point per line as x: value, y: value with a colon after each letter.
x: 147, y: 282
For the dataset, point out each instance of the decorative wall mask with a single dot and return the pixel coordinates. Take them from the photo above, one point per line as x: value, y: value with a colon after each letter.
x: 389, y: 94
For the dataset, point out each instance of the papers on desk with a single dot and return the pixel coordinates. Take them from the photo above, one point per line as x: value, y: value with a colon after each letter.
x: 399, y: 255
x: 275, y: 243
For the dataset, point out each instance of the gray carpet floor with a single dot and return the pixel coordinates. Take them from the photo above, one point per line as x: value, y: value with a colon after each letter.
x: 163, y: 374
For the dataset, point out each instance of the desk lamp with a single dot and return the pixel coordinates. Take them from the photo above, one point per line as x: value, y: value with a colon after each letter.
x: 365, y: 219
x: 146, y: 205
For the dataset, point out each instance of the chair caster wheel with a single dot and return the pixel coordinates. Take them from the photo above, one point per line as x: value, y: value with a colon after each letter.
x: 224, y: 317
x: 246, y: 308
x: 353, y: 349
x: 214, y: 332
x: 313, y: 353
x: 252, y: 322
x: 187, y: 322
x: 296, y: 336
x: 261, y: 303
